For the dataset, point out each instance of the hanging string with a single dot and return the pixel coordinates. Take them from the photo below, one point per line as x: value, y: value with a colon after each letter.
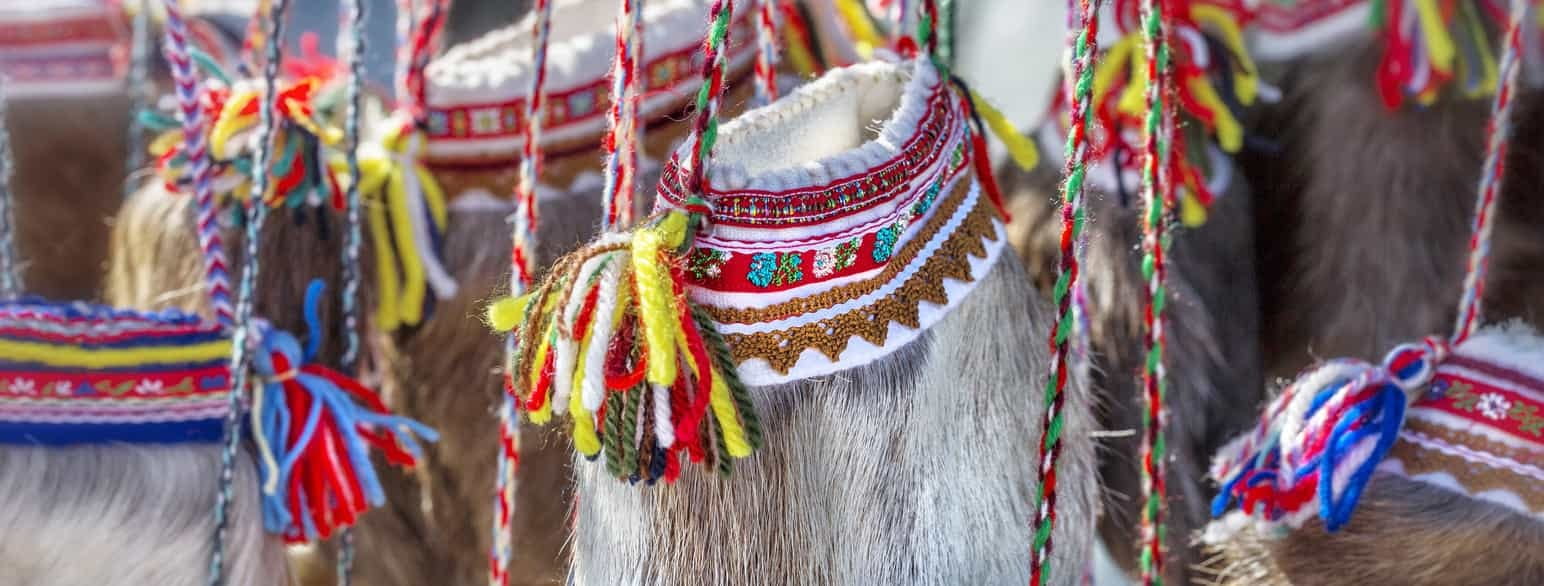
x: 353, y: 235
x: 705, y: 128
x: 1498, y: 132
x: 945, y: 27
x: 257, y: 211
x: 196, y: 146
x: 624, y: 137
x: 1084, y: 54
x: 416, y: 46
x: 140, y: 91
x: 766, y: 52
x: 927, y: 29
x: 1157, y: 190
x: 522, y: 259
x: 10, y: 271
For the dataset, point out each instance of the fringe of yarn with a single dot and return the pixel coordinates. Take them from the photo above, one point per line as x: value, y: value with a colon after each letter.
x: 242, y: 320
x: 1155, y: 242
x: 1498, y: 134
x: 10, y: 270
x: 407, y: 224
x: 624, y: 132
x: 1212, y: 79
x: 1429, y: 46
x: 313, y: 428
x: 354, y: 16
x: 611, y: 339
x: 766, y: 52
x: 801, y: 51
x: 196, y: 146
x: 1084, y: 57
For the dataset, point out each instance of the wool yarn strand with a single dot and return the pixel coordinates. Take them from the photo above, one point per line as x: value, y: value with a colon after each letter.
x: 195, y: 145
x: 766, y: 52
x: 1498, y: 133
x: 10, y: 270
x: 353, y: 235
x: 1156, y: 189
x: 257, y: 211
x: 623, y: 133
x: 705, y: 127
x: 1084, y: 55
x: 522, y: 259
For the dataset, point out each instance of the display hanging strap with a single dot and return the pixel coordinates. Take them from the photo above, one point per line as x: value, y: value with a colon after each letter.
x: 1084, y: 56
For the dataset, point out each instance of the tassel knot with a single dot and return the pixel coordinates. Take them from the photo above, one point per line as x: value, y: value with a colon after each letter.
x: 1323, y: 437
x: 644, y: 376
x: 314, y: 429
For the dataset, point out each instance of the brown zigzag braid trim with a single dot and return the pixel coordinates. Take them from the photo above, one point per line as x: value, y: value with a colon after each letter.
x: 781, y: 348
x: 1475, y: 477
x: 908, y: 252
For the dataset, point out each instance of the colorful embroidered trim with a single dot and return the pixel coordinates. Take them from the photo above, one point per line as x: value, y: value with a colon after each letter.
x: 846, y: 196
x: 476, y: 113
x: 51, y: 49
x: 812, y: 279
x: 78, y: 373
x: 666, y: 73
x: 1479, y: 428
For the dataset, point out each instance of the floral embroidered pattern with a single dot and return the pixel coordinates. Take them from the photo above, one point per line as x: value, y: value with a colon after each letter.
x: 1528, y: 419
x: 928, y: 197
x: 706, y: 263
x: 770, y: 269
x: 23, y: 386
x: 1493, y: 406
x: 884, y: 242
x: 835, y: 258
x: 149, y: 387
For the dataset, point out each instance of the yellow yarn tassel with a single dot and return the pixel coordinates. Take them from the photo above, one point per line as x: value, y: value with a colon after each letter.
x: 656, y: 294
x: 728, y: 419
x: 1246, y: 83
x: 1439, y: 43
x: 505, y: 313
x: 1191, y: 212
x: 798, y: 54
x: 1020, y: 147
x: 585, y: 438
x: 865, y: 37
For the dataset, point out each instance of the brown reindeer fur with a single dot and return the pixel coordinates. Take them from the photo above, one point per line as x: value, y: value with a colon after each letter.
x: 435, y: 528
x: 69, y: 159
x: 1213, y: 357
x: 1364, y: 222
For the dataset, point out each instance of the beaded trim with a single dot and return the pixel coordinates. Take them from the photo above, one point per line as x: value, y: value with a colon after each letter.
x: 74, y: 49
x: 939, y: 137
x: 1479, y: 431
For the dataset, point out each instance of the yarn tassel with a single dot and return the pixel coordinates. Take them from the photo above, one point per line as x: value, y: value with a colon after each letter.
x: 314, y: 429
x: 408, y: 218
x: 611, y: 336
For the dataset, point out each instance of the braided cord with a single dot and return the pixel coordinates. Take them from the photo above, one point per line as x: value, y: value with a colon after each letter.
x: 1498, y: 132
x: 766, y: 52
x: 195, y: 144
x: 1084, y: 54
x: 705, y: 127
x: 415, y: 45
x: 353, y: 234
x: 1157, y: 189
x: 522, y: 259
x: 10, y: 270
x: 622, y: 142
x: 522, y: 252
x: 139, y: 90
x: 257, y: 211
